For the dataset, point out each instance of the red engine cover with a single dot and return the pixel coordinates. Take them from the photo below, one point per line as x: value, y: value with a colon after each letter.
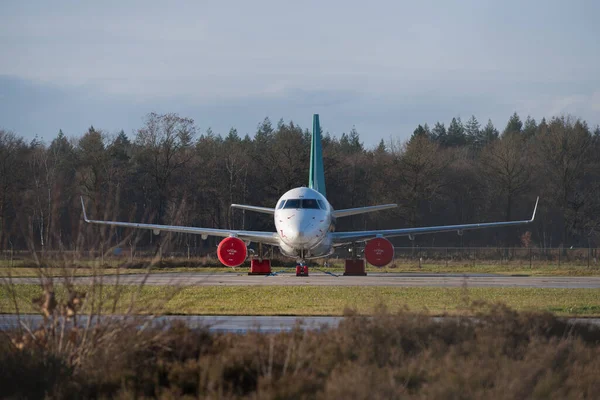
x: 232, y: 252
x: 379, y: 252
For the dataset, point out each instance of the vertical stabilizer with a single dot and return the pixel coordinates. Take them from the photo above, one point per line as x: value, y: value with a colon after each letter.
x: 316, y: 178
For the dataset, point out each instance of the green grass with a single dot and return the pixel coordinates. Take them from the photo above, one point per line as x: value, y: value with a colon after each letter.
x: 31, y: 272
x: 323, y: 300
x: 88, y: 269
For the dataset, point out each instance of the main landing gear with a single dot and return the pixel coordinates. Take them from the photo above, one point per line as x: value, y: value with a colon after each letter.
x: 260, y: 265
x: 354, y: 266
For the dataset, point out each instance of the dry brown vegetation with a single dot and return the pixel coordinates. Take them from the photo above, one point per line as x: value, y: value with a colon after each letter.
x: 501, y: 354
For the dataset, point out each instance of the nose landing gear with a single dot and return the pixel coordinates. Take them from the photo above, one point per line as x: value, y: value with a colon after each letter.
x: 301, y: 269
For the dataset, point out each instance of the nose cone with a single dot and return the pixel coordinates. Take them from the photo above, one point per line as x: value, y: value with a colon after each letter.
x: 295, y: 236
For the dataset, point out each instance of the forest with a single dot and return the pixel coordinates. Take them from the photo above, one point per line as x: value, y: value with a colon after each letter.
x: 169, y: 172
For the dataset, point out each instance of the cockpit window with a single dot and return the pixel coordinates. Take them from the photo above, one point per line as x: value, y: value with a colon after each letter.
x: 322, y: 204
x: 280, y: 205
x: 293, y: 203
x: 301, y: 203
x: 310, y: 203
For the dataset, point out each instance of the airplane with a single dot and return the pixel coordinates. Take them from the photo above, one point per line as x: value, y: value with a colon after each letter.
x: 305, y: 227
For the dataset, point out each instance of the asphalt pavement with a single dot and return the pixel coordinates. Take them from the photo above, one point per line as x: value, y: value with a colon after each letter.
x: 323, y: 279
x: 223, y: 323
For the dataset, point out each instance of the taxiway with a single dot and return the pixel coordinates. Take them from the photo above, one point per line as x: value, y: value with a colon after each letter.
x: 323, y: 279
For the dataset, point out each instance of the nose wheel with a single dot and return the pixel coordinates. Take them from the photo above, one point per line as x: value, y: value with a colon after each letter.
x: 301, y: 269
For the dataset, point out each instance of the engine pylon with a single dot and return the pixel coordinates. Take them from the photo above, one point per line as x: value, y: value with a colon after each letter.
x: 258, y: 267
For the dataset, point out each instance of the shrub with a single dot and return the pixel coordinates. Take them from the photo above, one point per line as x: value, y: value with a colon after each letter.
x: 499, y: 354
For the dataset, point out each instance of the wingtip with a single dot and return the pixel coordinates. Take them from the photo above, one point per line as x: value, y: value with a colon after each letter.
x: 535, y: 208
x: 85, y: 218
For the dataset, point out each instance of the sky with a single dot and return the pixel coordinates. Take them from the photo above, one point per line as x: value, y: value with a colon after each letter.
x: 381, y: 67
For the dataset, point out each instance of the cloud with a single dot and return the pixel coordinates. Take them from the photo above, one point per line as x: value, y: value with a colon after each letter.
x: 383, y: 68
x: 595, y: 101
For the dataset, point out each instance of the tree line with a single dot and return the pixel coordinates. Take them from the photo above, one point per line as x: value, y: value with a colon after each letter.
x: 170, y: 173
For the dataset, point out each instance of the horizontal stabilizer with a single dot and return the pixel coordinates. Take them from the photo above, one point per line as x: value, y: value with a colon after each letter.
x: 264, y: 210
x: 362, y: 210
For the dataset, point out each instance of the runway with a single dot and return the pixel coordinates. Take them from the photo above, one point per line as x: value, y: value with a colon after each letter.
x: 228, y: 323
x: 323, y: 279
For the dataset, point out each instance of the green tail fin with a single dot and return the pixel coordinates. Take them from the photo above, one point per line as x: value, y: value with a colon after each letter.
x: 316, y: 178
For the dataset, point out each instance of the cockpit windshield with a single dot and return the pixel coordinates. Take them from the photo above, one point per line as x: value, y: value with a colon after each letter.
x: 310, y: 203
x: 301, y: 203
x: 292, y: 203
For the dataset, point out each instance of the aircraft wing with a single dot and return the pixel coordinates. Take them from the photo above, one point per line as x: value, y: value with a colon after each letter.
x: 271, y: 238
x: 341, y: 238
x: 265, y: 210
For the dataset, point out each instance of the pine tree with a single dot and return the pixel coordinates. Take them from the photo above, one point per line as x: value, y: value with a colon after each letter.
x: 60, y: 145
x: 487, y: 135
x: 438, y: 133
x: 472, y: 129
x: 456, y: 134
x: 120, y: 149
x: 233, y: 136
x: 427, y: 129
x: 530, y: 127
x: 264, y: 131
x: 514, y: 125
x: 354, y: 139
x: 542, y: 128
x: 420, y: 131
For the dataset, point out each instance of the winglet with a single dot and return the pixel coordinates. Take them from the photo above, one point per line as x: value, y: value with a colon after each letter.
x: 85, y: 218
x: 535, y: 209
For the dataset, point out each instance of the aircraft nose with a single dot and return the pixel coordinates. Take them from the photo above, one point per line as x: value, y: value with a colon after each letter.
x: 295, y: 235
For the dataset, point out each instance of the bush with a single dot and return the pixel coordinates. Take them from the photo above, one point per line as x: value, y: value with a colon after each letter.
x: 498, y: 354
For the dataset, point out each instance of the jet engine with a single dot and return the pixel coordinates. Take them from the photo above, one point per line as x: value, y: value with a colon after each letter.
x: 379, y: 252
x: 232, y: 251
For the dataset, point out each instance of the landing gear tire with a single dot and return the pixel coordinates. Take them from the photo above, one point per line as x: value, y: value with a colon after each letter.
x: 301, y: 267
x: 301, y: 270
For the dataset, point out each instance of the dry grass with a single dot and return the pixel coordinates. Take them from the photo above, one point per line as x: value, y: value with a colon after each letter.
x: 501, y: 355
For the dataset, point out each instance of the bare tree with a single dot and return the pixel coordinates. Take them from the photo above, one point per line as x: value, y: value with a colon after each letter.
x: 421, y: 164
x: 506, y: 169
x: 164, y: 147
x: 12, y: 162
x: 565, y: 155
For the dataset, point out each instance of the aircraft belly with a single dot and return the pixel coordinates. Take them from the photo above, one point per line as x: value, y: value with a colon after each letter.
x: 321, y: 248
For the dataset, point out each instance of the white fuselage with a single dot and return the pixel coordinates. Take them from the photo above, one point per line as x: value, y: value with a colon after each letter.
x: 303, y: 218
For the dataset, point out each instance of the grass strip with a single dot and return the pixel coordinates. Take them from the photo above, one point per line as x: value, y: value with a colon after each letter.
x: 536, y: 270
x: 315, y: 300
